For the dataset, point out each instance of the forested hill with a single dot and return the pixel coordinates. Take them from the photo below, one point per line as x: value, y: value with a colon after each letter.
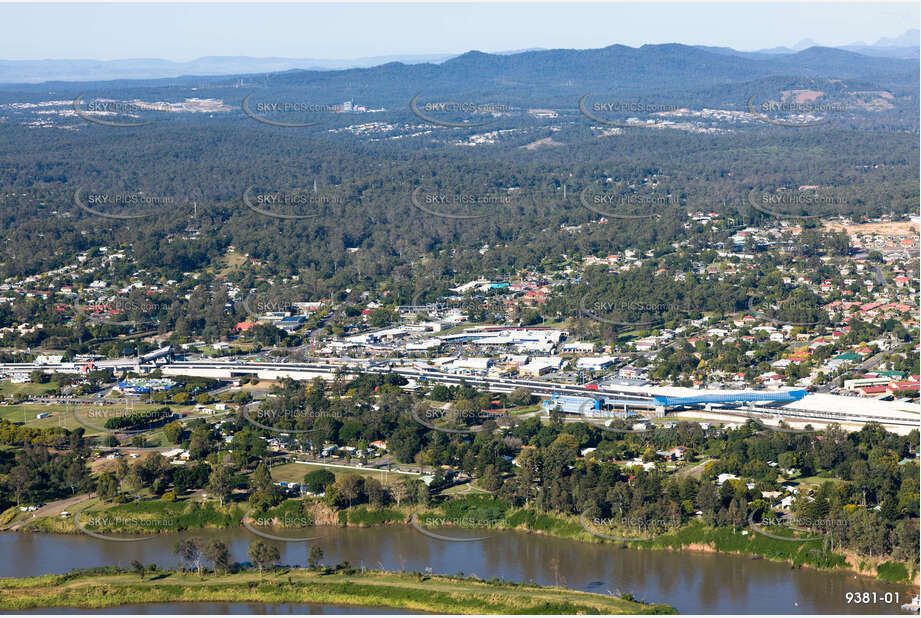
x: 536, y: 155
x: 536, y: 77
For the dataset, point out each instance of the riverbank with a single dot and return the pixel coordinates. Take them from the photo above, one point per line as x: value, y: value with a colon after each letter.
x: 414, y: 592
x: 775, y: 543
x: 475, y: 512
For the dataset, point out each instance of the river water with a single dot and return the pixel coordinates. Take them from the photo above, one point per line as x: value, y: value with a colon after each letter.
x: 692, y: 582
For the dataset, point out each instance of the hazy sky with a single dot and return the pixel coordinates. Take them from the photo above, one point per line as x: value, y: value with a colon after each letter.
x: 188, y: 31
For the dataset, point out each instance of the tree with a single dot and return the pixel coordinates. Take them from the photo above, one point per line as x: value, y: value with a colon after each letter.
x: 491, y: 481
x: 420, y: 492
x: 314, y: 557
x: 317, y: 480
x: 20, y: 480
x: 557, y: 416
x: 219, y: 556
x: 75, y: 474
x: 262, y: 555
x: 349, y: 487
x: 377, y: 495
x: 520, y: 397
x: 138, y: 567
x: 400, y: 491
x: 173, y: 432
x: 709, y: 503
x: 132, y: 481
x: 106, y: 486
x: 265, y: 493
x: 219, y: 483
x: 190, y: 551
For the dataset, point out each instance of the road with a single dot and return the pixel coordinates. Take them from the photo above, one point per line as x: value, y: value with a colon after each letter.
x: 873, y: 361
x: 51, y: 509
x: 832, y: 408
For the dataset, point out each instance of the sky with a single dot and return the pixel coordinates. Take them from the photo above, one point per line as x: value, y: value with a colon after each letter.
x: 344, y: 31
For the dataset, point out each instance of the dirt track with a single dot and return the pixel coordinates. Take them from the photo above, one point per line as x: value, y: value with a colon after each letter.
x: 49, y: 510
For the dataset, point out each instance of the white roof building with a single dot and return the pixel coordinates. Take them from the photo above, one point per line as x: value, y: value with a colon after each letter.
x: 594, y: 363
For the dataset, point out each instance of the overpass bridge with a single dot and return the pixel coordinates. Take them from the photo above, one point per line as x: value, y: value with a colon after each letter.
x: 788, y: 405
x: 795, y: 405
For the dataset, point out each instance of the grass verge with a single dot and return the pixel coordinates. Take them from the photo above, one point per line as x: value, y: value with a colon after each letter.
x: 415, y: 592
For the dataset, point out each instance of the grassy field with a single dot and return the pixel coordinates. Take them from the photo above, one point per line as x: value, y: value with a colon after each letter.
x: 8, y: 389
x: 61, y: 416
x: 414, y: 592
x: 523, y: 410
x: 816, y: 481
x: 463, y: 489
x: 294, y: 473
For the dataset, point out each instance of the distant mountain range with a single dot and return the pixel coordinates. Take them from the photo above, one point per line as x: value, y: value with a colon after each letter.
x: 34, y: 71
x: 905, y: 46
x: 672, y: 74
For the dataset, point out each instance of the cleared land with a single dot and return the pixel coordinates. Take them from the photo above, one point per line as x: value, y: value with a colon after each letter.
x: 895, y: 228
x: 294, y: 473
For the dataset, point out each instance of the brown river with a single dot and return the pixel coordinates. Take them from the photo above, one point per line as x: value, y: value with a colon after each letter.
x: 692, y: 582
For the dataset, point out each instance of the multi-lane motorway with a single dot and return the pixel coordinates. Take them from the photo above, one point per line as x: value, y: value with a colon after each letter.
x: 818, y: 408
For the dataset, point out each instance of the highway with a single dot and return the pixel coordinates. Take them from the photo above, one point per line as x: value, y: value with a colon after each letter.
x: 829, y: 409
x: 819, y: 408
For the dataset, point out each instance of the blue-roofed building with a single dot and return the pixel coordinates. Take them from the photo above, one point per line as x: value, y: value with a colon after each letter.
x: 606, y: 407
x: 291, y: 323
x: 570, y: 404
x: 146, y: 385
x: 726, y: 398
